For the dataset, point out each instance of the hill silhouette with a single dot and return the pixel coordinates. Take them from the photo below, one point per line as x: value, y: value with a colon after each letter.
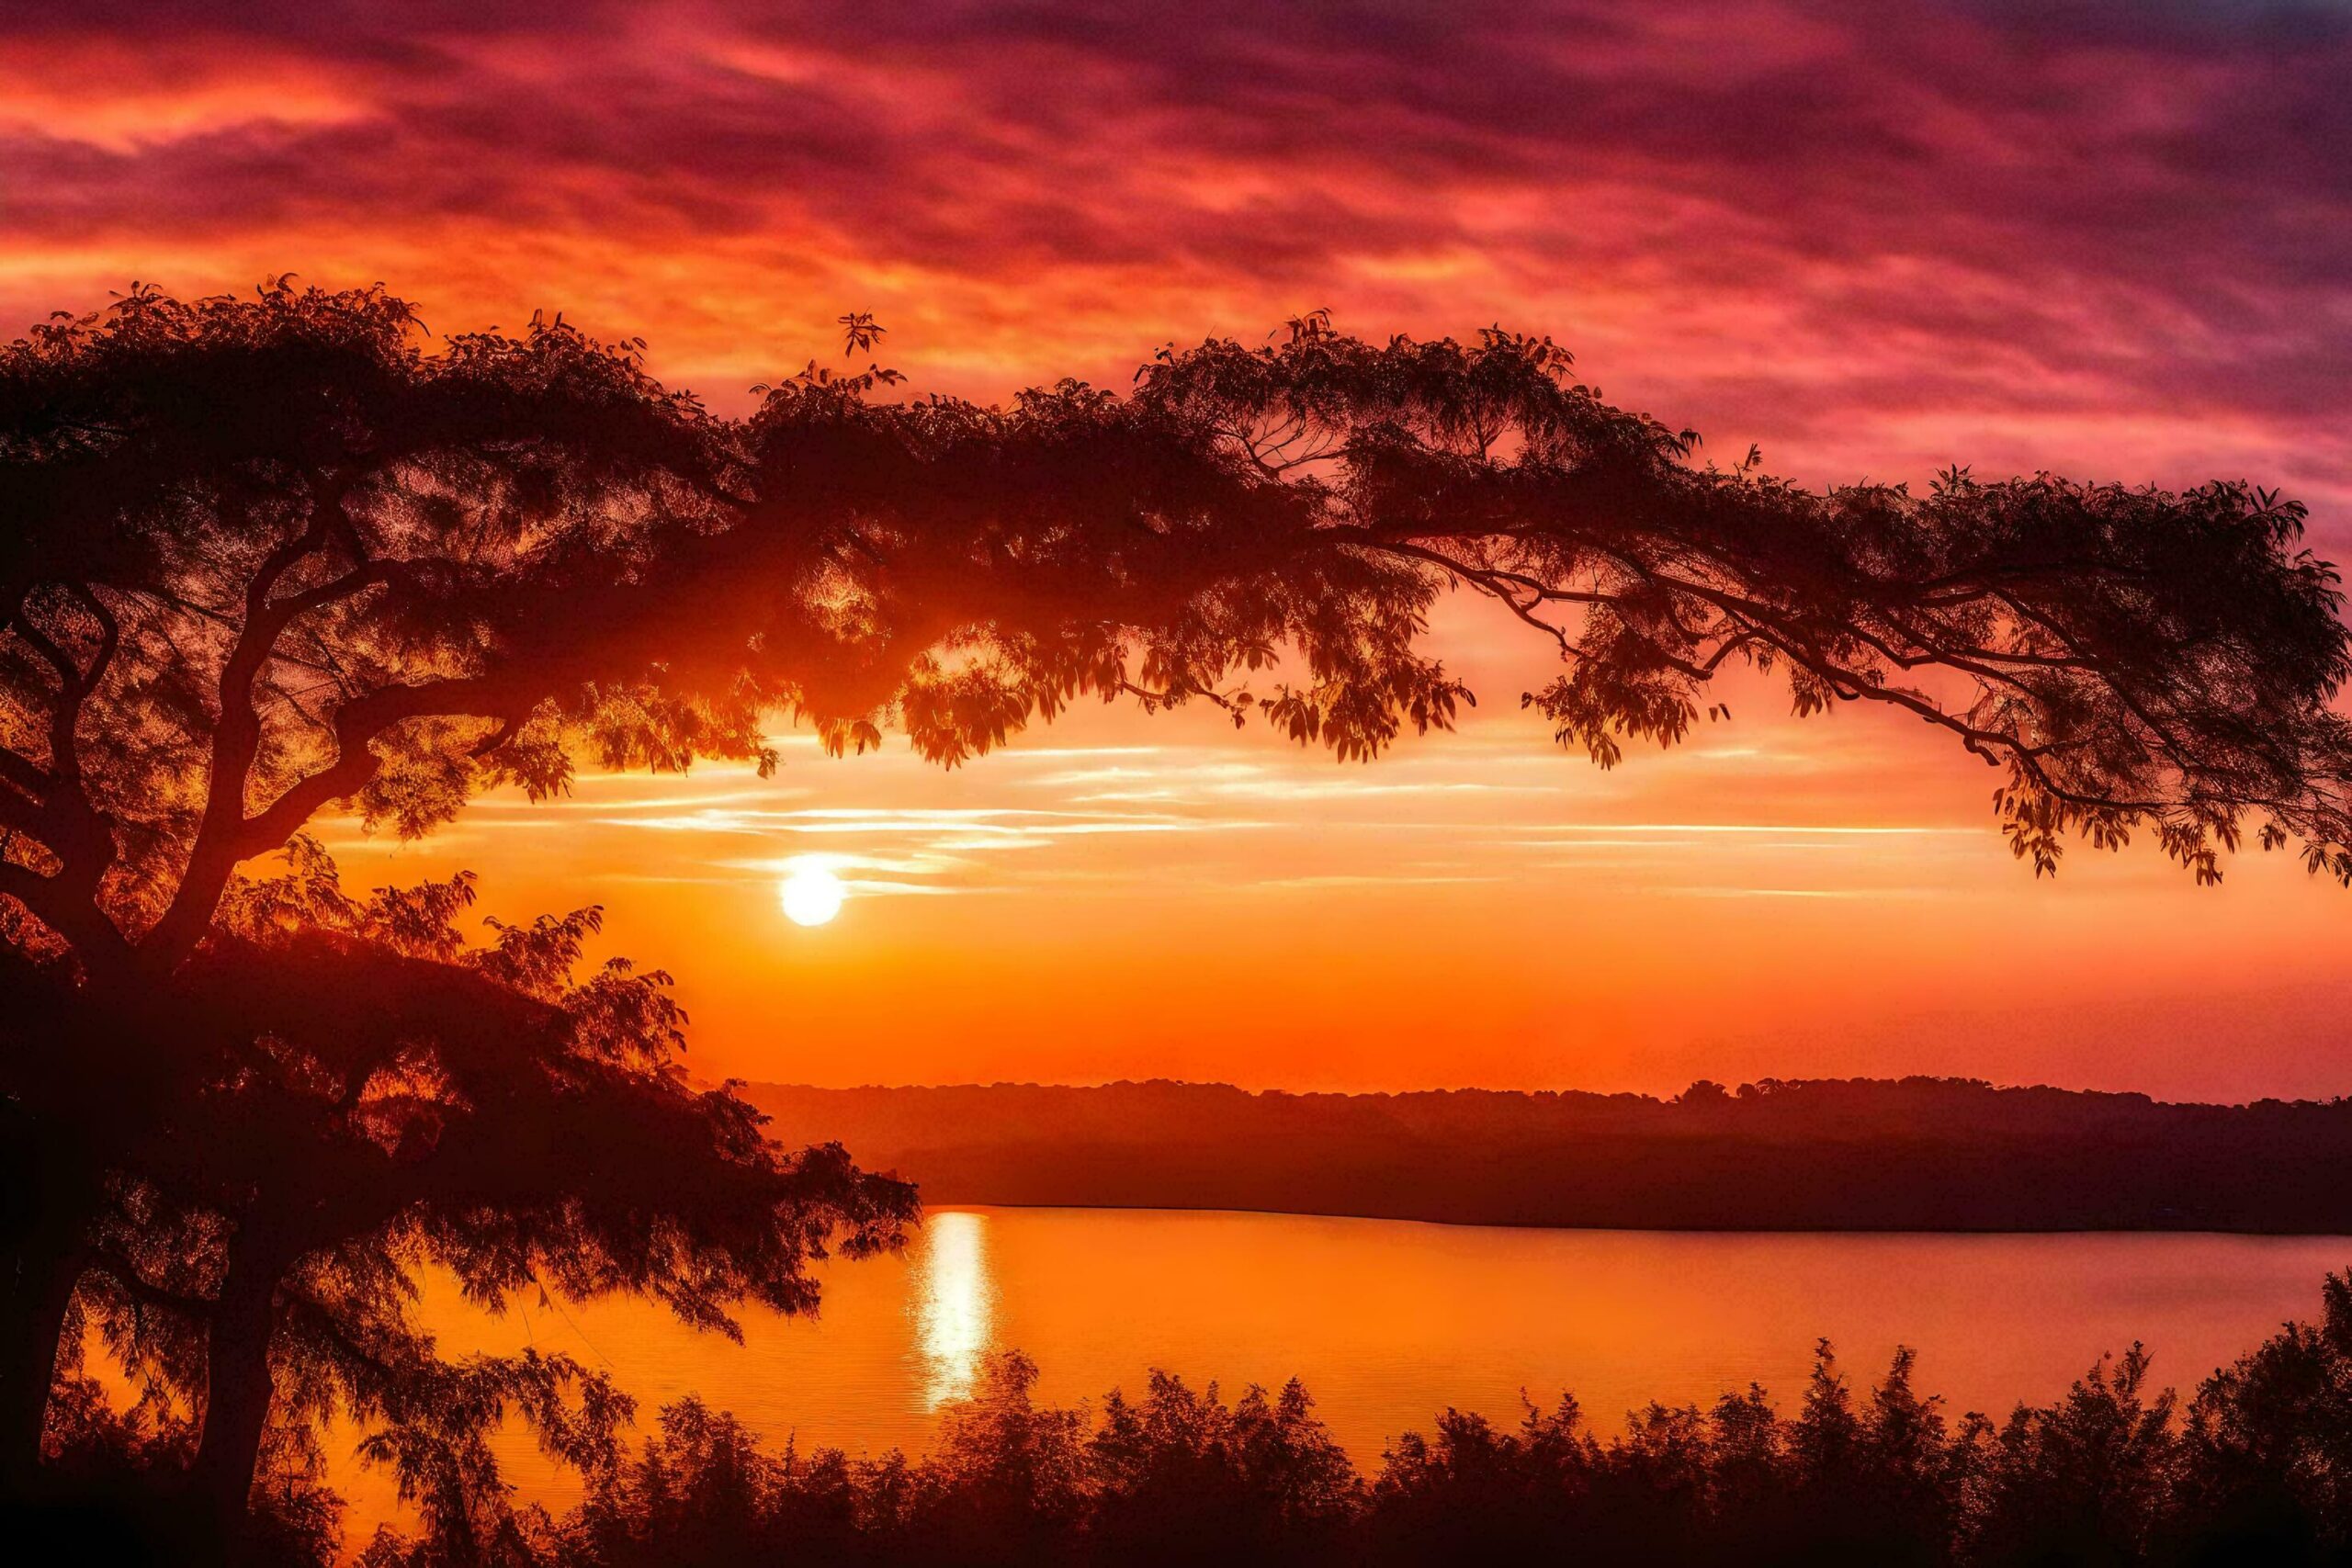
x: 1912, y: 1153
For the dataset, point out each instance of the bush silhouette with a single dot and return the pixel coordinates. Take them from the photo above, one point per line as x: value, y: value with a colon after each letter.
x: 2108, y: 1473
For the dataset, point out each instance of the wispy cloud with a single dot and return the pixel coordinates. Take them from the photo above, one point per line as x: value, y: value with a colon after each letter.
x: 1823, y: 893
x: 1372, y: 879
x: 936, y: 850
x: 1786, y: 830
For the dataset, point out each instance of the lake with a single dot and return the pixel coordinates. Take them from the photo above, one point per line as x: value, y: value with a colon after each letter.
x: 1389, y: 1321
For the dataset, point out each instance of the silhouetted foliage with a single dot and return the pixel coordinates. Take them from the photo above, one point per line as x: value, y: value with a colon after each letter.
x: 380, y: 1099
x: 264, y: 557
x: 2257, y: 1471
x: 270, y: 554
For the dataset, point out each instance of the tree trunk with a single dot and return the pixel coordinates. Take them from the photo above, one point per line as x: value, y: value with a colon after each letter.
x: 43, y: 1268
x: 236, y: 1397
x: 44, y: 1217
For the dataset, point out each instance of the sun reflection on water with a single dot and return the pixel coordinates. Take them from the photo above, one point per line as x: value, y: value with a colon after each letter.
x: 954, y: 1305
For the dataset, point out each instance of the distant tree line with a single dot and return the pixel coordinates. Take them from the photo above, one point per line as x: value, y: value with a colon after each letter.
x: 2255, y: 1468
x: 1913, y: 1154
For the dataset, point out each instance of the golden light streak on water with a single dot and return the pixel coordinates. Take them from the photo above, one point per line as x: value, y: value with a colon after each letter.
x: 953, y: 1305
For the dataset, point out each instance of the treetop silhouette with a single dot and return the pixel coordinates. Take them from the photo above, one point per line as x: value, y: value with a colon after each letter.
x: 2250, y: 1466
x: 271, y: 553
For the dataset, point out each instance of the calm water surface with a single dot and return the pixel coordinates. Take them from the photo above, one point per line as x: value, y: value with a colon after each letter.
x: 1389, y: 1321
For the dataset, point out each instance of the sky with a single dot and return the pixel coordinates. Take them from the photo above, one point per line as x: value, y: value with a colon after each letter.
x: 2109, y: 239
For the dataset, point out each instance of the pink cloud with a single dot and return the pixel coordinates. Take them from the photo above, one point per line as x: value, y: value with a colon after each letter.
x: 2114, y: 237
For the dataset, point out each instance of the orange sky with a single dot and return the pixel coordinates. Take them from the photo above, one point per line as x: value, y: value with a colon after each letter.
x: 2110, y: 238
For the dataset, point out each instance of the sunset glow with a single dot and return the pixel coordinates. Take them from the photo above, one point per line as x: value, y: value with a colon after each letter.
x: 2106, y: 240
x: 1275, y: 783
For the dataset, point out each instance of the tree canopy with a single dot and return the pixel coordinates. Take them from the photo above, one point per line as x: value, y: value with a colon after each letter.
x: 265, y: 554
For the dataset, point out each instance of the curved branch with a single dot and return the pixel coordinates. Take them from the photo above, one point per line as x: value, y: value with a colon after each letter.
x: 357, y: 727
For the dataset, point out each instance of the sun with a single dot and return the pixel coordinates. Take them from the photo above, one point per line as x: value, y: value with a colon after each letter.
x: 811, y: 896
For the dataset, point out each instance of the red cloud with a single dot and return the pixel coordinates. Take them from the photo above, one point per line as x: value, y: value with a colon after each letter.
x: 2113, y: 237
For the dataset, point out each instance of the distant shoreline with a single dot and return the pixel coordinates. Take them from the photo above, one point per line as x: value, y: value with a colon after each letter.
x: 1927, y: 1156
x: 967, y: 1204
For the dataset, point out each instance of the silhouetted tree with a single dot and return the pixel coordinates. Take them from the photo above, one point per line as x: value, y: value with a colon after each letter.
x: 383, y: 1099
x: 265, y: 556
x: 2268, y: 1446
x: 209, y: 507
x: 2087, y: 1480
x: 1181, y: 1477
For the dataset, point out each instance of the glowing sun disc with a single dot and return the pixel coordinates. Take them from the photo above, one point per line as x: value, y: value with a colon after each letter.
x: 812, y: 896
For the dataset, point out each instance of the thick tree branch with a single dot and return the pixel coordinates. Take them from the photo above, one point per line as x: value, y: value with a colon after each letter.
x: 124, y: 1273
x: 358, y: 725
